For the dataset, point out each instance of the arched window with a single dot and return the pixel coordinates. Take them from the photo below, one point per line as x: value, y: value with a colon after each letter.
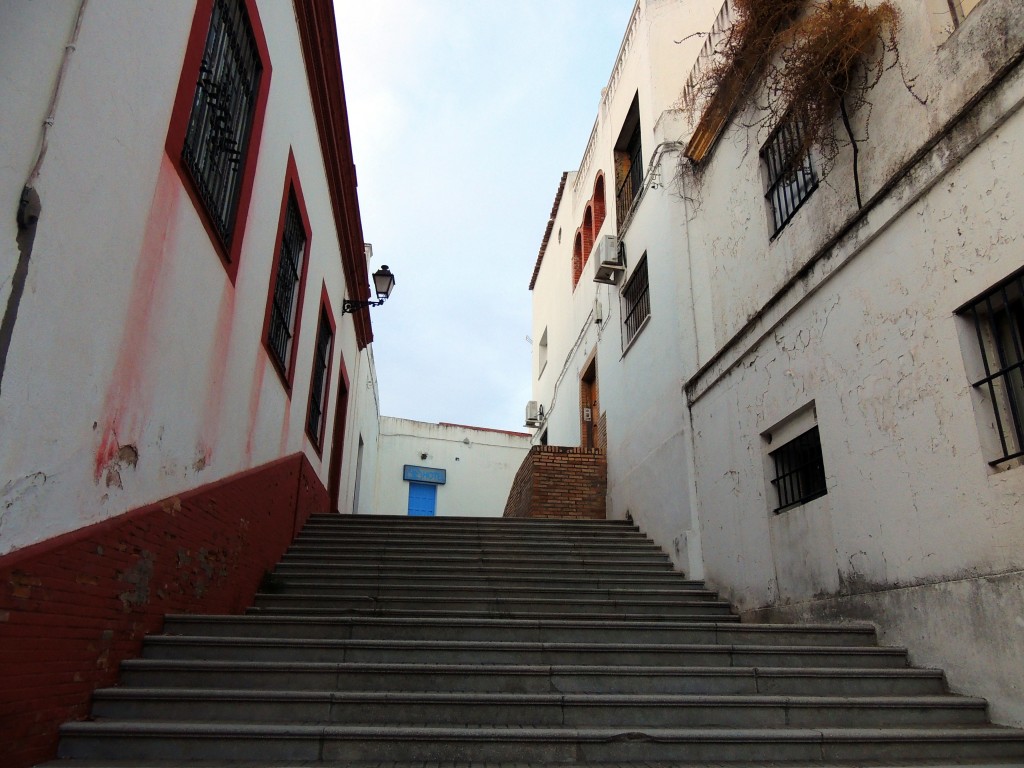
x: 577, y: 258
x: 598, y: 203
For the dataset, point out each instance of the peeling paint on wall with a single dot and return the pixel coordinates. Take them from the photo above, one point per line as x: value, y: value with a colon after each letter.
x: 138, y: 576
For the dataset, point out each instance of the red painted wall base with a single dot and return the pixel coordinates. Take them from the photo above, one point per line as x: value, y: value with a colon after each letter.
x: 72, y: 607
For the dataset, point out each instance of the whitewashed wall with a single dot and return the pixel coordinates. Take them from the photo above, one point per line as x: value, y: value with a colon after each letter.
x: 480, y: 465
x: 917, y: 532
x: 128, y: 317
x: 648, y: 445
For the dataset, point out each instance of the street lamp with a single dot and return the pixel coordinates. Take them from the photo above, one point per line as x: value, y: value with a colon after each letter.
x: 383, y: 284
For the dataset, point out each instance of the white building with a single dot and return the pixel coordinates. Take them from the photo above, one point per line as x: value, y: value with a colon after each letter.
x: 799, y: 408
x: 444, y: 469
x: 152, y: 341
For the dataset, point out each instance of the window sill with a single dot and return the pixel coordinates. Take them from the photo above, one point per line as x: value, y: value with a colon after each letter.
x: 632, y: 341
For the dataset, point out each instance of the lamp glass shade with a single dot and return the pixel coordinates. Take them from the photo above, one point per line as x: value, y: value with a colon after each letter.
x: 383, y: 282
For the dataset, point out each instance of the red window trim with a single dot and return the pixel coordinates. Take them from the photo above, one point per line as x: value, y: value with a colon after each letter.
x: 291, y: 185
x: 323, y: 310
x: 179, y: 126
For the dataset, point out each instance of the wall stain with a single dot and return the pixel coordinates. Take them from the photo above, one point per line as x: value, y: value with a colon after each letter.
x: 127, y: 401
x: 138, y: 576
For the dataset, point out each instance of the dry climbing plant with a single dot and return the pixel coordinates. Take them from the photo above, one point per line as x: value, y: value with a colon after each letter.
x: 816, y: 60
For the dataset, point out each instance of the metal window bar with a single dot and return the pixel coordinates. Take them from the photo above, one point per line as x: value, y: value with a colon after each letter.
x: 318, y: 395
x: 999, y: 325
x: 222, y: 112
x: 791, y: 177
x: 284, y: 306
x: 630, y: 186
x: 799, y: 470
x: 636, y: 301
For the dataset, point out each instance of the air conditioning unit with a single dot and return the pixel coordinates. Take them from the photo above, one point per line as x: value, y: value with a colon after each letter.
x: 609, y: 259
x: 534, y: 414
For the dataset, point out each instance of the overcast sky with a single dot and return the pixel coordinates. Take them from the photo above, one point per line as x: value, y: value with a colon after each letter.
x: 464, y: 114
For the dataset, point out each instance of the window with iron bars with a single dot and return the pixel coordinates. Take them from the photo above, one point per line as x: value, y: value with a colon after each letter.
x: 790, y: 173
x: 318, y: 385
x: 220, y: 122
x: 636, y: 302
x: 285, y: 303
x: 799, y: 470
x: 997, y: 318
x: 633, y: 178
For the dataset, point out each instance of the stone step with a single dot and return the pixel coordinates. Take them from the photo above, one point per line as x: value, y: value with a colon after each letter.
x: 373, y: 537
x: 218, y: 741
x: 596, y: 617
x: 421, y: 549
x: 565, y: 606
x: 435, y: 592
x: 535, y: 709
x: 315, y: 588
x: 496, y: 562
x: 522, y: 630
x: 611, y: 556
x: 406, y: 524
x: 482, y: 652
x: 340, y: 573
x: 412, y: 569
x: 526, y: 678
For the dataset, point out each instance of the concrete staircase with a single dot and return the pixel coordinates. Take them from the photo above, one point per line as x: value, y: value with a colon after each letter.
x: 411, y: 640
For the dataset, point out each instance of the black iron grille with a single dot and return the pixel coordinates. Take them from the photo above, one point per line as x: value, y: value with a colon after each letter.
x: 318, y: 395
x: 636, y: 301
x: 284, y: 306
x: 791, y: 176
x: 630, y: 186
x: 999, y: 323
x: 222, y: 112
x: 799, y: 470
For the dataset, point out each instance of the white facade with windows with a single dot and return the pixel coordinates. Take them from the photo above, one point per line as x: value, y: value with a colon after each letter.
x: 784, y: 318
x: 137, y: 358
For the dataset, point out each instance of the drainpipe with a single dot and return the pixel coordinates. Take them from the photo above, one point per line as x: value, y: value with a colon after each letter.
x: 30, y: 205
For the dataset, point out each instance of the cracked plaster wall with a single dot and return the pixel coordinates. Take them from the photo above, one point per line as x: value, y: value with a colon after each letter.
x: 917, y: 532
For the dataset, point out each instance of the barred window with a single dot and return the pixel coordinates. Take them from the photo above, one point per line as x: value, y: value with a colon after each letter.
x: 998, y: 323
x: 636, y: 302
x: 220, y: 122
x: 285, y: 301
x: 799, y: 470
x: 790, y: 173
x: 318, y: 385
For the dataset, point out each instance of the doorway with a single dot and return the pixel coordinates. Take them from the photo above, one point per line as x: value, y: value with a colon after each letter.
x: 422, y: 499
x: 590, y: 406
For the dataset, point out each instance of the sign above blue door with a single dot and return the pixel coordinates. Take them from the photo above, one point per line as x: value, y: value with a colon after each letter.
x: 423, y: 474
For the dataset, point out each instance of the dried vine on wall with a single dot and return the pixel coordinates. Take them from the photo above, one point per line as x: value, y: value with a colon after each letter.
x: 815, y: 60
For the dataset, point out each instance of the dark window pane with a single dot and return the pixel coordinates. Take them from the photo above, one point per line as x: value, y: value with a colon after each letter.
x: 799, y: 470
x: 219, y: 125
x: 284, y: 305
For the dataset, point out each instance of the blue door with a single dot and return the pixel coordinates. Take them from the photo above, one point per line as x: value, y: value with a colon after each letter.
x: 422, y: 499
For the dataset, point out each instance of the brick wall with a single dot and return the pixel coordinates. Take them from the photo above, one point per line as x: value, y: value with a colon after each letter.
x: 72, y: 607
x: 554, y: 481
